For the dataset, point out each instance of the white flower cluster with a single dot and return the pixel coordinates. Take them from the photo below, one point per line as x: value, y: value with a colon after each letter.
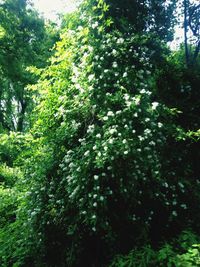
x: 95, y: 25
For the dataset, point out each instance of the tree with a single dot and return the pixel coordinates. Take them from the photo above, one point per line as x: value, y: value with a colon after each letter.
x: 191, y: 31
x: 154, y: 16
x: 25, y: 42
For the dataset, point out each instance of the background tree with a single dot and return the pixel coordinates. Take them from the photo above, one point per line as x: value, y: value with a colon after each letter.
x: 26, y: 42
x: 191, y: 31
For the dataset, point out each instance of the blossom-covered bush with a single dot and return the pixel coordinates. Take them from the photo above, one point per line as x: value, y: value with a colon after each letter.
x: 100, y: 185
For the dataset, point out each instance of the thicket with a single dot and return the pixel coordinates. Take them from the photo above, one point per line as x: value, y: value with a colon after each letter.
x: 104, y: 169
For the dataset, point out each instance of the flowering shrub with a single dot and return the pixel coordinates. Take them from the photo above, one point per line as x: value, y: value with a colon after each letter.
x: 102, y: 142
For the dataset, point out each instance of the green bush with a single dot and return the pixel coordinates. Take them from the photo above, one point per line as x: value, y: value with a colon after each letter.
x: 181, y: 253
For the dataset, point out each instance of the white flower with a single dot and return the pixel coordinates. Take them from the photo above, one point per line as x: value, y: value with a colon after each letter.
x: 108, y: 94
x: 184, y: 206
x: 174, y: 213
x: 33, y: 213
x: 160, y: 125
x: 114, y: 52
x: 143, y: 91
x: 110, y: 113
x: 78, y: 86
x: 95, y: 25
x: 125, y: 75
x: 96, y: 177
x: 181, y: 185
x: 155, y: 105
x: 137, y: 100
x: 90, y: 48
x: 147, y: 131
x: 86, y: 153
x: 124, y: 141
x: 94, y: 147
x: 128, y: 103
x: 174, y: 202
x: 91, y: 77
x: 101, y: 198
x: 125, y: 152
x: 115, y: 65
x: 71, y: 165
x: 140, y: 138
x: 90, y: 129
x: 105, y: 148
x: 105, y: 118
x: 94, y: 217
x: 120, y: 41
x: 95, y: 204
x: 80, y: 28
x: 126, y: 97
x: 166, y: 185
x: 95, y: 196
x: 152, y: 143
x: 98, y: 135
x: 112, y: 131
x: 111, y: 141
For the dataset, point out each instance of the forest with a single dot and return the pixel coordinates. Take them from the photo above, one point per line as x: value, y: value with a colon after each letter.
x: 100, y: 135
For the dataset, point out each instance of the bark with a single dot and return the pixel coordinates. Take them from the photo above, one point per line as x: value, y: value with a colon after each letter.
x: 187, y: 57
x: 20, y: 124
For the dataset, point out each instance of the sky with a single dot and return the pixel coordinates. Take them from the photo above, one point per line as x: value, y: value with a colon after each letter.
x: 50, y: 8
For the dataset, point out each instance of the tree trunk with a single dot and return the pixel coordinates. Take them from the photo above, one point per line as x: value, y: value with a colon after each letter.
x: 187, y: 57
x: 20, y: 123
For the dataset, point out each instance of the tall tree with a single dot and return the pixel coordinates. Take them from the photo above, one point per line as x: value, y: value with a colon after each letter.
x: 25, y: 43
x: 191, y: 31
x: 146, y: 16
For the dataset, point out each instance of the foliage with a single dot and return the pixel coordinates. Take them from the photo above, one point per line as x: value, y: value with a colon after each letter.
x: 103, y: 140
x: 155, y: 17
x: 100, y: 173
x: 182, y: 253
x: 14, y: 247
x: 24, y: 41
